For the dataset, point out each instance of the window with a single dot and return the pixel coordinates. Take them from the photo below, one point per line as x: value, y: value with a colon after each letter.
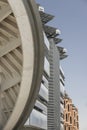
x: 43, y: 92
x: 62, y: 115
x: 45, y: 82
x: 68, y: 107
x: 74, y: 114
x: 70, y: 120
x: 62, y: 81
x: 69, y: 128
x: 46, y: 66
x: 77, y: 125
x: 38, y: 109
x: 41, y: 106
x: 61, y: 78
x: 46, y: 41
x: 61, y: 100
x: 62, y: 73
x: 61, y: 127
x: 64, y: 127
x: 61, y: 108
x: 64, y: 104
x: 66, y: 117
x: 62, y: 89
x: 38, y: 119
x: 74, y: 123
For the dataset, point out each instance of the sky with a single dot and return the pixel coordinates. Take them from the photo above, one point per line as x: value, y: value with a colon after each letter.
x: 71, y: 19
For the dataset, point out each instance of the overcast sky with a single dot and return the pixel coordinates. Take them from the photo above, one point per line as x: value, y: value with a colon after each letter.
x: 71, y: 19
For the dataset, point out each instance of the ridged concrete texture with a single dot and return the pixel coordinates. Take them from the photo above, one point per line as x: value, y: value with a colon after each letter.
x: 21, y: 61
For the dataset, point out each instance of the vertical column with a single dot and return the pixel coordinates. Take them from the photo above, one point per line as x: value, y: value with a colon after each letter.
x: 54, y: 89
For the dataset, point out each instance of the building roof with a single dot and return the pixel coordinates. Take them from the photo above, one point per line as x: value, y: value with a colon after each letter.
x: 51, y: 32
x: 45, y: 18
x: 63, y: 52
x: 57, y: 40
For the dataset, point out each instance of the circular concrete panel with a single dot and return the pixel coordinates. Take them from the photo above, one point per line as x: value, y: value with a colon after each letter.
x: 21, y: 61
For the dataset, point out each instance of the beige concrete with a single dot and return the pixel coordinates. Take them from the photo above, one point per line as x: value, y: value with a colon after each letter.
x: 21, y: 52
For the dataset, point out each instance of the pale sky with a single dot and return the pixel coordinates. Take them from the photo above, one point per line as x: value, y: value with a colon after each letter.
x: 71, y: 19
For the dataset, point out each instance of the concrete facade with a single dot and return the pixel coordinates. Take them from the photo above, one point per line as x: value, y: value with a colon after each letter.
x: 21, y: 60
x: 52, y: 99
x: 31, y: 77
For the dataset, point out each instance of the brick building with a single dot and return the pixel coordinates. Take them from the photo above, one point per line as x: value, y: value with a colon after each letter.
x: 71, y: 121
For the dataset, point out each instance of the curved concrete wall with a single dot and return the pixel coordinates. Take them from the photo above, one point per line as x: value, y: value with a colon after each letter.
x: 21, y: 61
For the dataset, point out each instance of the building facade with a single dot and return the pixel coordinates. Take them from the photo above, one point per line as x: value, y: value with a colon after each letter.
x: 31, y: 77
x: 71, y: 118
x: 49, y: 107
